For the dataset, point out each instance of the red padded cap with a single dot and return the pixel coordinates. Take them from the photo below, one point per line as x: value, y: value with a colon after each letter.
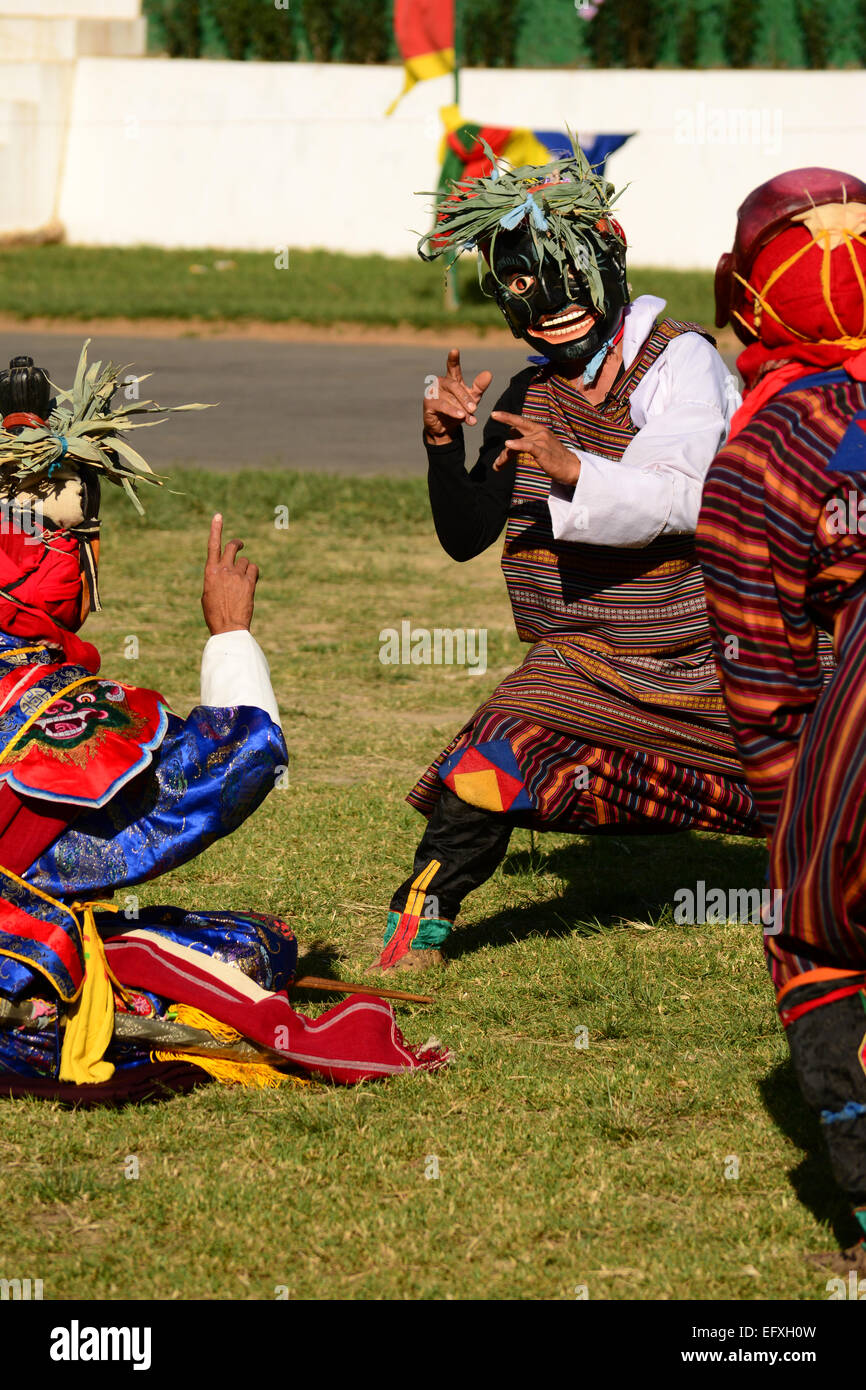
x: 766, y: 211
x: 775, y: 202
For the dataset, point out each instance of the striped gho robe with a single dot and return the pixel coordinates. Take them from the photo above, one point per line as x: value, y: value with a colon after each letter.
x: 782, y: 541
x: 615, y: 719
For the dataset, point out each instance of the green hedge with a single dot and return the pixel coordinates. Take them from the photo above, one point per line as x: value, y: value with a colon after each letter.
x: 526, y: 33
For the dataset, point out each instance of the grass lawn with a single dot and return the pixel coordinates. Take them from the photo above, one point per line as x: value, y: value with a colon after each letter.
x: 318, y: 287
x: 558, y: 1167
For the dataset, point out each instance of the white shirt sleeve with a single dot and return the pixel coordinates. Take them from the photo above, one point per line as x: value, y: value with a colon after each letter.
x: 235, y: 671
x: 682, y: 408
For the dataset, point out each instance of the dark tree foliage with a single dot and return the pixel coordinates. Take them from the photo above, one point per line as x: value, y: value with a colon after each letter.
x: 233, y: 20
x: 845, y: 33
x: 688, y: 39
x: 620, y: 36
x: 181, y: 25
x: 321, y: 28
x: 365, y: 30
x: 779, y: 41
x: 273, y: 35
x: 813, y: 22
x: 550, y: 33
x: 710, y: 46
x: 541, y: 33
x: 666, y: 25
x: 740, y: 32
x: 488, y: 32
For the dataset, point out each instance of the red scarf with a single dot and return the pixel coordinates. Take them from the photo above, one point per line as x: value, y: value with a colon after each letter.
x: 42, y: 599
x: 791, y: 359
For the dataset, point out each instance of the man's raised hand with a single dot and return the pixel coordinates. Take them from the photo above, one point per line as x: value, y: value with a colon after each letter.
x: 531, y: 438
x: 229, y: 584
x: 449, y: 402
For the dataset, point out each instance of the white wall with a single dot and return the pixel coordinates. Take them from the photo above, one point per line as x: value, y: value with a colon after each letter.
x: 246, y: 155
x: 34, y: 104
x: 704, y: 140
x: 260, y: 155
x: 85, y: 9
x: 45, y: 37
x: 40, y: 41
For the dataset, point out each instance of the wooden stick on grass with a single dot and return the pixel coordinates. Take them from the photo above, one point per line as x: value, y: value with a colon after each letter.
x: 345, y: 987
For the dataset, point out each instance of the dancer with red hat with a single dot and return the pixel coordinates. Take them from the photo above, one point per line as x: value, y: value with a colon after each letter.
x: 783, y: 549
x: 102, y: 787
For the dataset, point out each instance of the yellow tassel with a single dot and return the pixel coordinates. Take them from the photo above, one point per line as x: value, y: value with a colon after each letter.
x: 259, y: 1075
x: 255, y: 1074
x: 195, y: 1018
x: 90, y: 1019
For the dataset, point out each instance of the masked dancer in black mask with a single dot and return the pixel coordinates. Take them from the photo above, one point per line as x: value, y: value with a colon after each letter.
x: 593, y: 461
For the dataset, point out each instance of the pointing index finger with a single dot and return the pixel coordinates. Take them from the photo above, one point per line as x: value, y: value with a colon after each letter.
x: 518, y: 422
x: 214, y: 540
x: 453, y: 368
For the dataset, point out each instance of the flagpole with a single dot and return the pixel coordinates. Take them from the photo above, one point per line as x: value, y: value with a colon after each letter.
x: 456, y: 56
x: 452, y: 297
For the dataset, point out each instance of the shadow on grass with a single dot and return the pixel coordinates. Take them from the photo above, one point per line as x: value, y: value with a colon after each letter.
x: 321, y: 959
x: 812, y: 1180
x: 609, y: 882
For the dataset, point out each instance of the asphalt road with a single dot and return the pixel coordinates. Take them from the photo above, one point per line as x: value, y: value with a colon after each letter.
x: 333, y: 407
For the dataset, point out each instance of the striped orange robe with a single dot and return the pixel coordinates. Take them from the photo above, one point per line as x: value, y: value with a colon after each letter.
x: 785, y: 564
x: 615, y: 718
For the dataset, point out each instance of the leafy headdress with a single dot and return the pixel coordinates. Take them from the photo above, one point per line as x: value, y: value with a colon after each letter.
x: 77, y: 430
x: 565, y: 206
x: 55, y: 448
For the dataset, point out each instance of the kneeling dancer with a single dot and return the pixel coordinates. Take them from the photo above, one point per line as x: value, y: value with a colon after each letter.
x: 593, y: 461
x: 101, y: 788
x: 782, y: 541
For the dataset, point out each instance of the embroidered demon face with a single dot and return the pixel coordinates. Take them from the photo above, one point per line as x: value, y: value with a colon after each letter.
x: 74, y: 718
x: 84, y: 742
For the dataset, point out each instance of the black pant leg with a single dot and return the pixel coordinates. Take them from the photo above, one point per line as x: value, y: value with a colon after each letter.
x: 468, y: 843
x: 827, y: 1046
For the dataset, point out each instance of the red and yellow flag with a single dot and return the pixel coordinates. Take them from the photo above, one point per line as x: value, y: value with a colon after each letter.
x: 424, y: 30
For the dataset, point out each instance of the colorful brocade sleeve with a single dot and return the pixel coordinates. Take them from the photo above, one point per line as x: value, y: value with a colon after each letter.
x: 209, y: 774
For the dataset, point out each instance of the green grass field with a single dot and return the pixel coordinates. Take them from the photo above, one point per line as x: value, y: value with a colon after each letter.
x: 559, y: 1167
x: 318, y: 287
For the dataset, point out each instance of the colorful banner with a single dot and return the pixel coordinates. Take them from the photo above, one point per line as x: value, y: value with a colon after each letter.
x: 462, y: 154
x: 424, y: 30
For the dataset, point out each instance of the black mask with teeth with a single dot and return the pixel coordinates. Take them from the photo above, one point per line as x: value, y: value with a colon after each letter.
x: 528, y: 289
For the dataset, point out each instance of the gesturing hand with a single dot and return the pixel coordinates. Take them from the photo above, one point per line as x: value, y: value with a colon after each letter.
x: 541, y: 443
x: 229, y: 584
x: 449, y: 402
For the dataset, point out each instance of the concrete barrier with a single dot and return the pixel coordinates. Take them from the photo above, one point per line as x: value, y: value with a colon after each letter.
x: 33, y: 129
x: 74, y: 9
x: 63, y: 38
x: 265, y: 155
